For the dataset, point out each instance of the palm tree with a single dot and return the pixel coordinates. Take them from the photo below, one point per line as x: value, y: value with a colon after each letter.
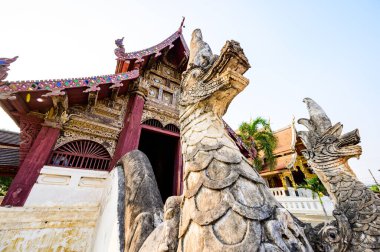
x: 316, y: 186
x: 258, y: 132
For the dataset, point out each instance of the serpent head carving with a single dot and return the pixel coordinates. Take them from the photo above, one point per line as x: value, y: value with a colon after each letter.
x: 213, y: 80
x: 325, y: 144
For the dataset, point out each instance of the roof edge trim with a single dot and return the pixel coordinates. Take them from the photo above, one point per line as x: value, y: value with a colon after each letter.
x: 9, y: 87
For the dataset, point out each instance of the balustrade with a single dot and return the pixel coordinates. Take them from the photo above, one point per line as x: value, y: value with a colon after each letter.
x: 301, y: 201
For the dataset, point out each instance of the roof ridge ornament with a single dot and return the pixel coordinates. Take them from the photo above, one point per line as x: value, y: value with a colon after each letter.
x: 182, y: 25
x: 4, y: 64
x: 120, y: 50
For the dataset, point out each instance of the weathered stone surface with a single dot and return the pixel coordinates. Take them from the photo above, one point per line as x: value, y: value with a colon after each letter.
x: 226, y: 204
x: 357, y: 210
x: 200, y: 51
x: 165, y: 236
x: 143, y: 203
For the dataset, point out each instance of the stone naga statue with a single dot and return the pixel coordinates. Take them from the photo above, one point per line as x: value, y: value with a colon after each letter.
x: 142, y: 204
x: 165, y: 237
x: 357, y: 212
x: 226, y: 205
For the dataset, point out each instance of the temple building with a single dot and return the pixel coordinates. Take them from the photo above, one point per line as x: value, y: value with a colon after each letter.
x: 291, y: 167
x: 66, y: 189
x: 289, y: 173
x: 79, y: 128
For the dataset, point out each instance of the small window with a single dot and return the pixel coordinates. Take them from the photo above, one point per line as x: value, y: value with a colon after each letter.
x: 154, y: 123
x: 172, y: 128
x: 83, y: 154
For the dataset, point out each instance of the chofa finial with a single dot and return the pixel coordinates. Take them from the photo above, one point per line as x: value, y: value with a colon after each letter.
x: 182, y: 25
x: 120, y: 50
x: 4, y: 64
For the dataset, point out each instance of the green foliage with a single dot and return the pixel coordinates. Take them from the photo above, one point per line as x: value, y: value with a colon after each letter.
x: 375, y: 188
x: 4, y: 185
x: 259, y: 133
x: 316, y: 186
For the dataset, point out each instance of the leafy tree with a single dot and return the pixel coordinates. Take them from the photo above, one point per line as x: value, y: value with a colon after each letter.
x: 258, y: 132
x: 316, y: 186
x: 375, y: 188
x: 4, y: 185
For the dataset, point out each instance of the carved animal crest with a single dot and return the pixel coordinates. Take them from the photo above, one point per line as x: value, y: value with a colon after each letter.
x: 325, y: 140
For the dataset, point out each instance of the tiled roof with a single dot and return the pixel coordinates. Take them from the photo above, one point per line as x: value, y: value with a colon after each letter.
x: 9, y: 157
x: 285, y: 140
x: 9, y: 138
x: 285, y: 150
x: 283, y: 162
x: 9, y: 152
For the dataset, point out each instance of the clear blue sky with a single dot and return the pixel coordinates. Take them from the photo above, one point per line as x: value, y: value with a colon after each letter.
x: 326, y: 50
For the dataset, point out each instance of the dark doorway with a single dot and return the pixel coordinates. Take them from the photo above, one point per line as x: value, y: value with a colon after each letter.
x: 274, y: 182
x: 161, y: 150
x: 299, y: 177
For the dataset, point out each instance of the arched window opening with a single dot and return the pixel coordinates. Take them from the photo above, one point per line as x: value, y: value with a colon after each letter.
x: 172, y: 128
x: 82, y: 154
x: 154, y: 123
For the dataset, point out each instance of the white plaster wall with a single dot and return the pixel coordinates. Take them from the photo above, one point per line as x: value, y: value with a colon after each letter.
x: 57, y: 186
x: 62, y: 213
x: 47, y: 228
x: 107, y: 229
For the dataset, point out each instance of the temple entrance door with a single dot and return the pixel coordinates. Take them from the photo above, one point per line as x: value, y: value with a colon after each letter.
x: 299, y: 177
x: 163, y: 150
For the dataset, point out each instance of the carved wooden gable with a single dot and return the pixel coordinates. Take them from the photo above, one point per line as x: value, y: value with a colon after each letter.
x: 100, y: 123
x: 163, y: 84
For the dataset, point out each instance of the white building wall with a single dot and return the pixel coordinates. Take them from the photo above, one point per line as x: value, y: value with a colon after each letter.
x: 107, y: 229
x: 67, y: 209
x: 57, y: 186
x: 47, y: 228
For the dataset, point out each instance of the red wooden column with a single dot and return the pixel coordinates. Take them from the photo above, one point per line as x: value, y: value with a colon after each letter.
x: 29, y: 128
x: 30, y: 168
x: 130, y: 134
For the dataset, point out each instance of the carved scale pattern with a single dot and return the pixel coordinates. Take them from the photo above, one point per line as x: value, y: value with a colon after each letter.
x: 226, y: 205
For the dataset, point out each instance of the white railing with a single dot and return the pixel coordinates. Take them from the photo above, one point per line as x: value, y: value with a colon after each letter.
x: 301, y: 201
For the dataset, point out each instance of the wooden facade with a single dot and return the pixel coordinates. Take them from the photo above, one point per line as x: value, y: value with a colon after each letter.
x: 90, y: 123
